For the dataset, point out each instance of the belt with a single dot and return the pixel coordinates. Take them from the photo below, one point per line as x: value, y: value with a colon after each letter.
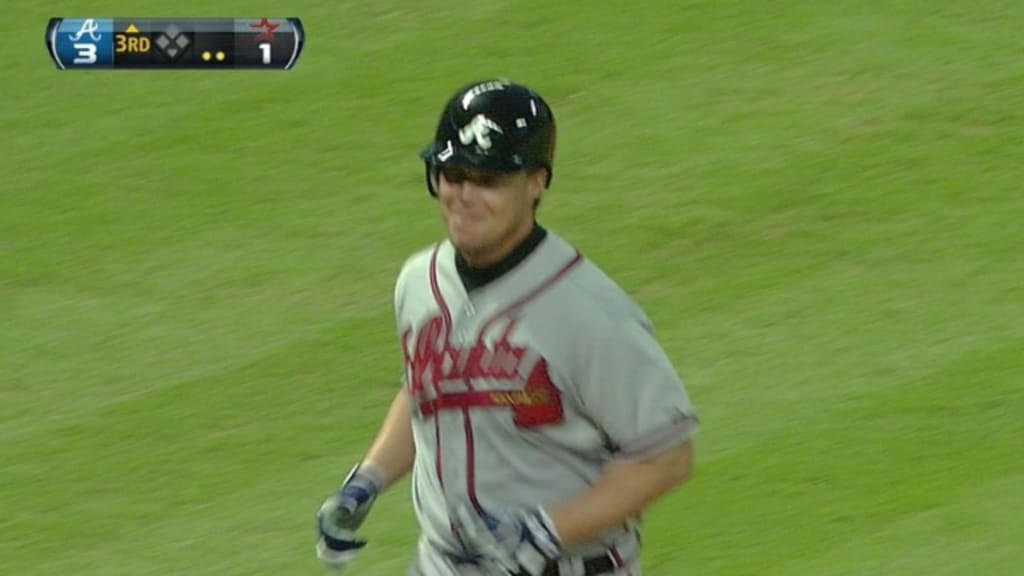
x: 592, y: 566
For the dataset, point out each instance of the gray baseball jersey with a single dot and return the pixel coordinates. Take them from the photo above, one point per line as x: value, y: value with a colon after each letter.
x: 525, y: 389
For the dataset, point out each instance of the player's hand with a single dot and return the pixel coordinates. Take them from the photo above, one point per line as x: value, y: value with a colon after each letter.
x: 519, y: 544
x: 342, y: 514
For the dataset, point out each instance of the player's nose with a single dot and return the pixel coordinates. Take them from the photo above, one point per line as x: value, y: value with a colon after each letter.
x: 464, y: 191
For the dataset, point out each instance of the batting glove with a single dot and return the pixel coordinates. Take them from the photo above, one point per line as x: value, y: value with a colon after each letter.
x: 342, y: 514
x: 522, y: 544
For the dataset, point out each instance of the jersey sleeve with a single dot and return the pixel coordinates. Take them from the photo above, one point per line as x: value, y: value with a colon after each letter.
x: 399, y: 295
x: 400, y: 303
x: 629, y: 388
x: 412, y: 272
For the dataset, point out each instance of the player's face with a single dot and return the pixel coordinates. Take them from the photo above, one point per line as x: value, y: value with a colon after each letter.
x: 487, y: 213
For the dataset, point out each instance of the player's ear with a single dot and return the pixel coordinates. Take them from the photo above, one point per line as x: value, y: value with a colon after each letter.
x: 536, y: 181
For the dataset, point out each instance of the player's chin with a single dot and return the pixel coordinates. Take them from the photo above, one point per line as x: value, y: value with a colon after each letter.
x: 468, y: 246
x: 466, y: 235
x: 471, y: 246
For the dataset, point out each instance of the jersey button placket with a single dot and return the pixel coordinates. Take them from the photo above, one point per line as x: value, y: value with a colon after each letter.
x: 467, y: 311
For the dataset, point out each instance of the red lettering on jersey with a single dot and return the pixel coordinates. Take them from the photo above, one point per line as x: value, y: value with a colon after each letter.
x: 433, y: 360
x: 427, y: 358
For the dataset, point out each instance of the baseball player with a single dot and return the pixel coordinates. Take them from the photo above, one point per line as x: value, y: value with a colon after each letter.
x: 539, y: 416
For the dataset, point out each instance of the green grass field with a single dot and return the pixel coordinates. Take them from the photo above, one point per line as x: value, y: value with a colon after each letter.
x: 818, y: 203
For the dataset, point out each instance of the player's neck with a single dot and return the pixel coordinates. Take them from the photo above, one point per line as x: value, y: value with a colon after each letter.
x: 476, y: 277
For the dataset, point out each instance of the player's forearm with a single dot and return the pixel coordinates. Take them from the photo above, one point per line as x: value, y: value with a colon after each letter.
x: 393, y: 451
x: 625, y: 490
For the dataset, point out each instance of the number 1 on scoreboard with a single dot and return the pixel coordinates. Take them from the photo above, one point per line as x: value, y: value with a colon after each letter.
x: 265, y: 47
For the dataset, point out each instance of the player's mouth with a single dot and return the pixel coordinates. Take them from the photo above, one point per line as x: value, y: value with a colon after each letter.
x: 465, y: 218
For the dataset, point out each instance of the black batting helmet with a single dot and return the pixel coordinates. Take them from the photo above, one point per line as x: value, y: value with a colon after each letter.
x: 495, y: 125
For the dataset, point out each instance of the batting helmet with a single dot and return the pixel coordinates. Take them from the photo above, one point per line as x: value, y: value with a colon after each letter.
x: 494, y: 125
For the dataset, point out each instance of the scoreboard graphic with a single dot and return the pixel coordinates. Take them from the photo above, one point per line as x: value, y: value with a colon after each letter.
x: 164, y: 43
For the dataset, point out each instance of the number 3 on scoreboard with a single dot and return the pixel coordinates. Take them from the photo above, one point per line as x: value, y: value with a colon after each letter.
x: 87, y: 54
x: 265, y: 48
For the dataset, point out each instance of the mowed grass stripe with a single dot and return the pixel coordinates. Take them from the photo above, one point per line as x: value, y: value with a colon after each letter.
x: 181, y: 454
x: 915, y: 455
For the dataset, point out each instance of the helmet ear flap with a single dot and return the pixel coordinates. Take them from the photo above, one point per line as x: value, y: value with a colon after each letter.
x: 432, y: 178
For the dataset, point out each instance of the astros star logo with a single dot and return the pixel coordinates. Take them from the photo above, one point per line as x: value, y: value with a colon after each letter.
x: 268, y: 33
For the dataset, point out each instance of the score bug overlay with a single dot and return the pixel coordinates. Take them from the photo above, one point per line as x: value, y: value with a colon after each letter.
x: 170, y: 44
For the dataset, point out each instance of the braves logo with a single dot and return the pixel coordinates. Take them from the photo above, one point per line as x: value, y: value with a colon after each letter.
x: 90, y: 27
x: 432, y: 360
x: 479, y: 129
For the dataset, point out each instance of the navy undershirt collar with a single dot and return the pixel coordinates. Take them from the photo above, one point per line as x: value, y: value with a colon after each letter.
x: 473, y: 278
